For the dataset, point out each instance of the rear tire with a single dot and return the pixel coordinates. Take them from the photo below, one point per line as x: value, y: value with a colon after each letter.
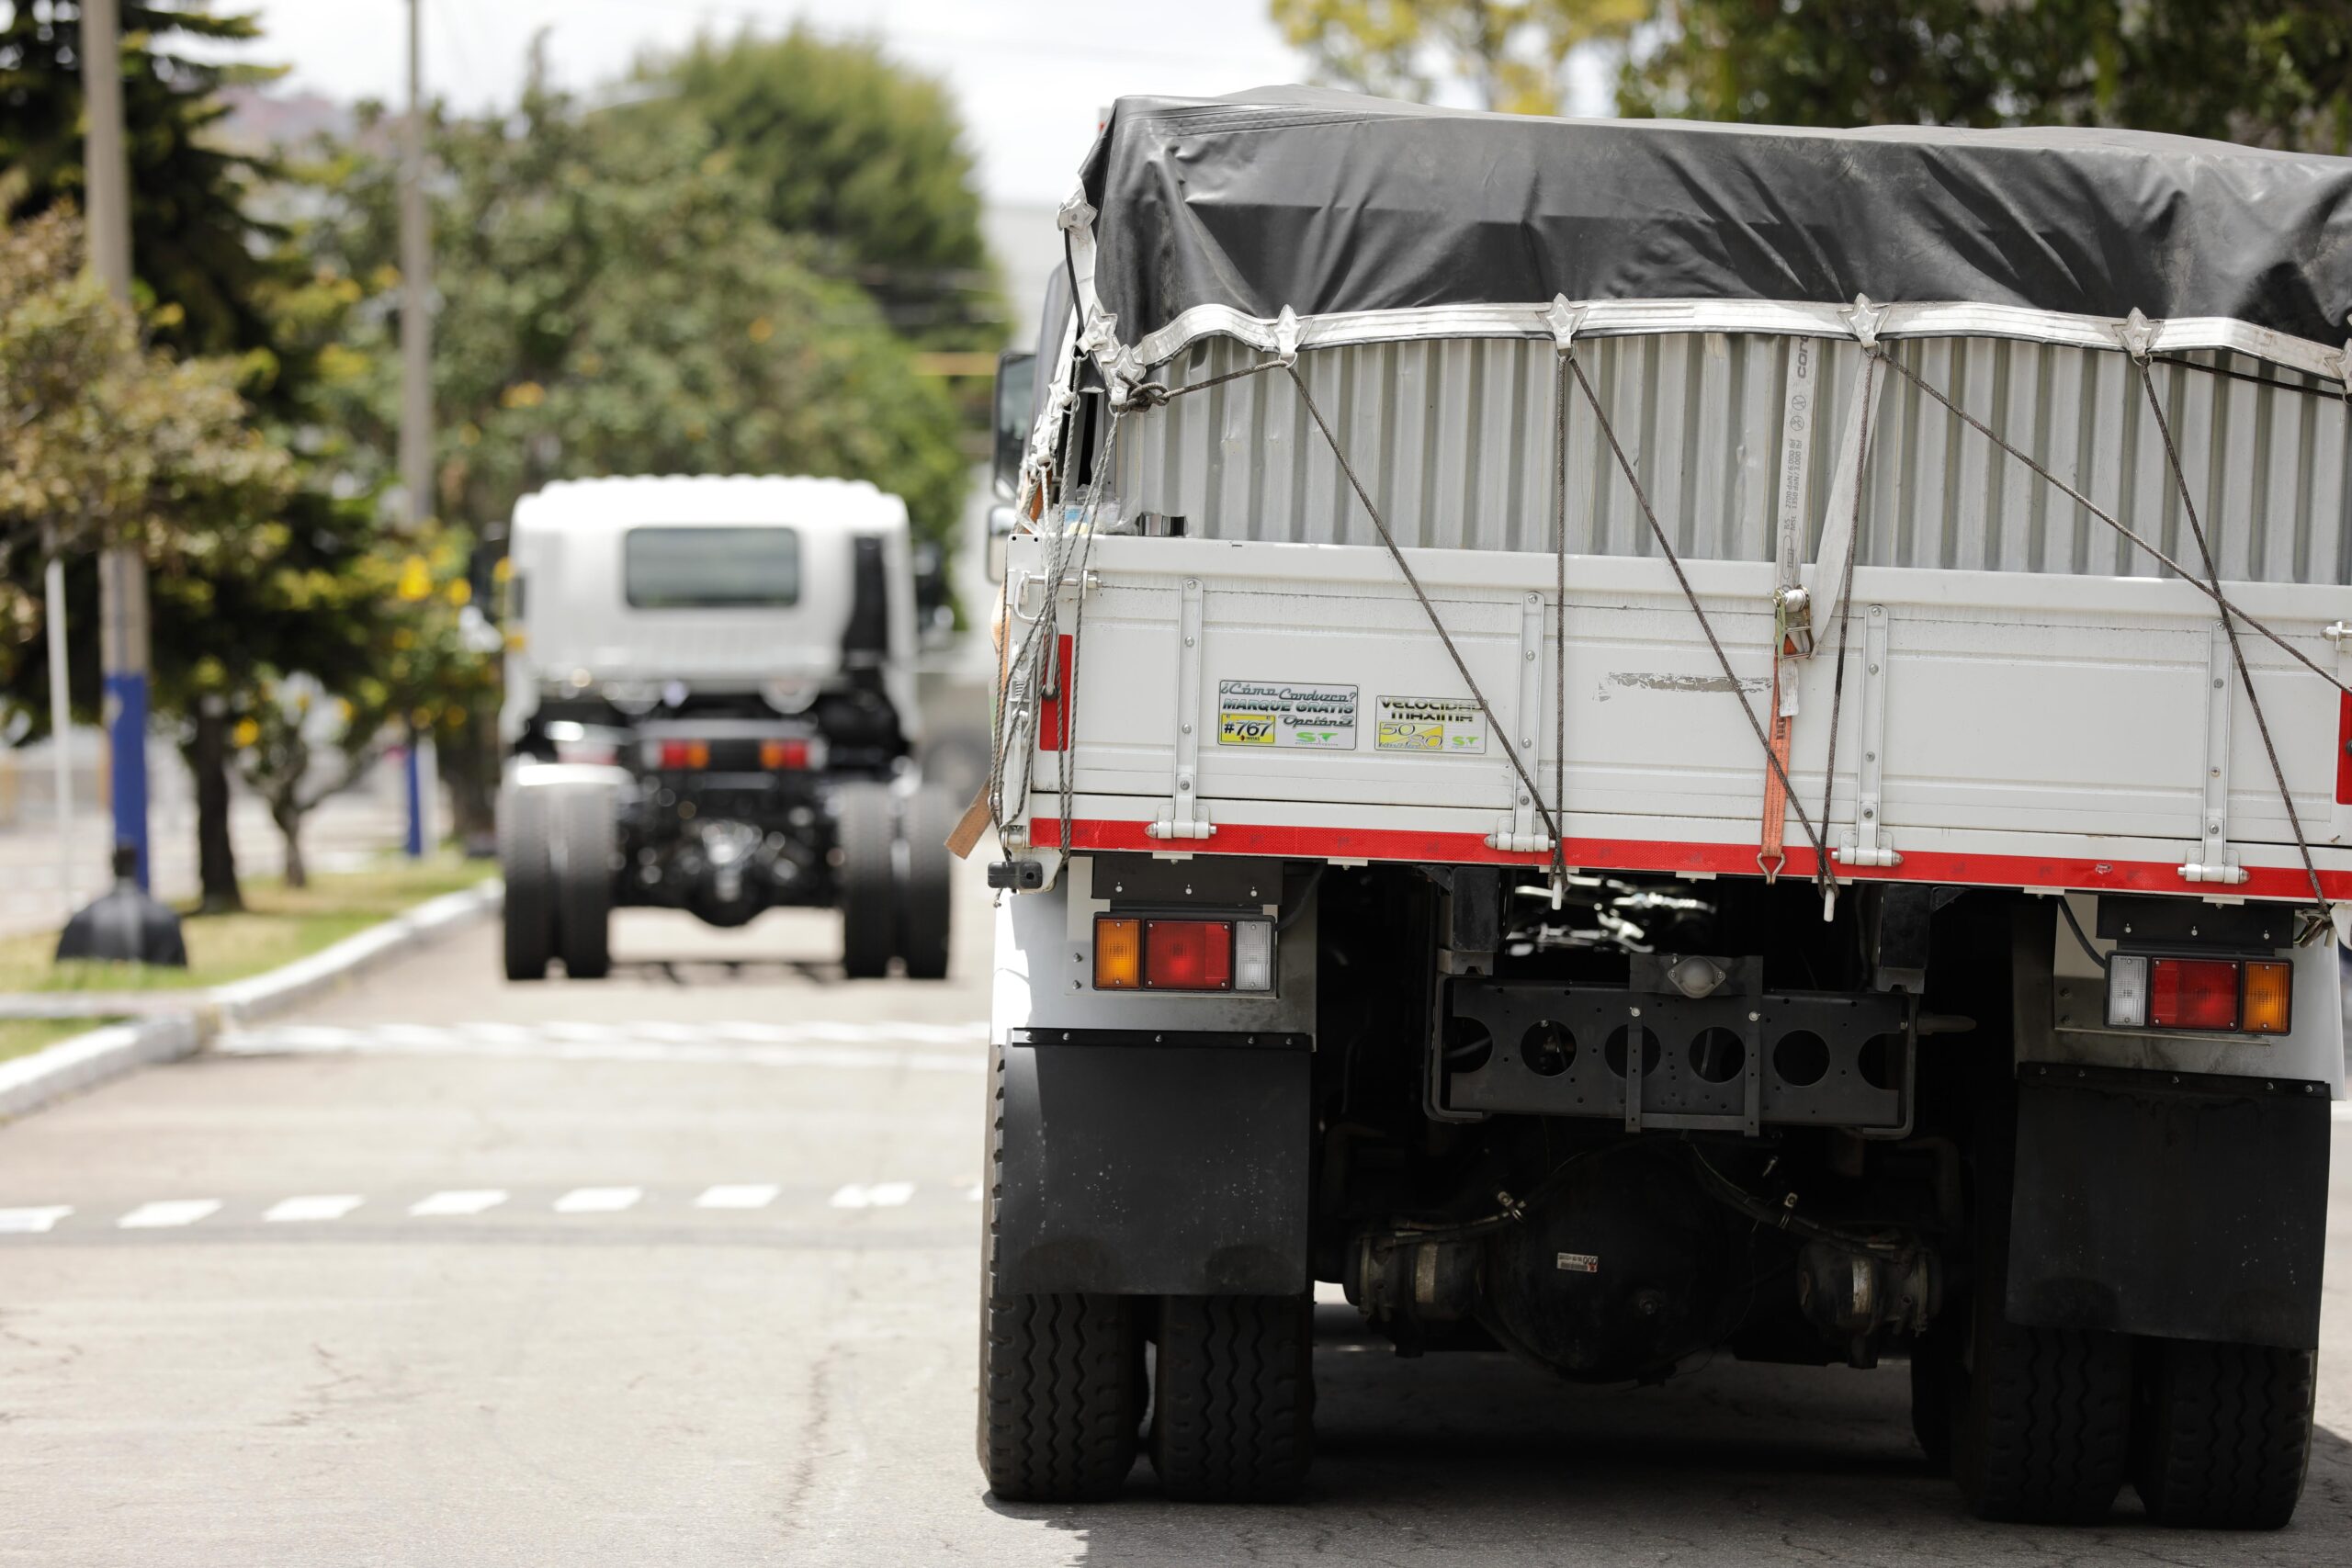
x: 1233, y: 1407
x: 584, y: 880
x: 2044, y: 1421
x: 1062, y: 1390
x: 528, y: 911
x: 868, y: 896
x: 2223, y: 1433
x: 926, y: 898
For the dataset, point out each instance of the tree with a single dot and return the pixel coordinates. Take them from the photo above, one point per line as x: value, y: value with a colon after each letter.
x: 612, y: 302
x: 108, y: 442
x: 1509, y: 53
x: 400, y: 665
x: 840, y: 144
x: 2271, y: 72
x: 201, y: 251
x: 215, y: 279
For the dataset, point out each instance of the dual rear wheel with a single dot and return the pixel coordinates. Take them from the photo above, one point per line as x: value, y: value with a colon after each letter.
x: 556, y: 848
x: 2046, y: 1426
x: 894, y: 875
x: 1225, y: 1413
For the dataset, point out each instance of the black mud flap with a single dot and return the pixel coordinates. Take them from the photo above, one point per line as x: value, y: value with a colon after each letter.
x: 2182, y: 1206
x: 1136, y: 1167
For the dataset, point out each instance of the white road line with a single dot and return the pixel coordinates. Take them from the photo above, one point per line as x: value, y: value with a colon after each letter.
x: 599, y: 1200
x: 639, y: 1047
x: 32, y: 1222
x: 168, y: 1212
x: 746, y: 1195
x: 318, y: 1206
x: 469, y: 1201
x: 880, y: 1195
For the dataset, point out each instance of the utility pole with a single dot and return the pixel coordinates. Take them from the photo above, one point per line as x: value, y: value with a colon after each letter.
x: 122, y: 576
x: 61, y: 715
x: 416, y: 360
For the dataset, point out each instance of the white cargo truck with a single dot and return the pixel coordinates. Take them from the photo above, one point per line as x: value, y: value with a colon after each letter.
x: 711, y: 706
x: 1634, y: 742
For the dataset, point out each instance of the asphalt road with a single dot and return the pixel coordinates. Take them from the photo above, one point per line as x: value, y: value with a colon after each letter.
x: 679, y: 1269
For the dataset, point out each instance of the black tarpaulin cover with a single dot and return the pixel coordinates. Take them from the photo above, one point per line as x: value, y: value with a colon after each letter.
x: 1324, y: 202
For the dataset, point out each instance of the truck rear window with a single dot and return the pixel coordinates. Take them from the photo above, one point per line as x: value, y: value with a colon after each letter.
x: 697, y: 568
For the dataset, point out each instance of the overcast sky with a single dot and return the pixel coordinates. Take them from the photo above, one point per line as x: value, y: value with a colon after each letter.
x: 1030, y: 75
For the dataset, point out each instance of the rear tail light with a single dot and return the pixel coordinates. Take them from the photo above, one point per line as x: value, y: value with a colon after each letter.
x: 2214, y: 995
x: 1133, y: 952
x: 2193, y: 993
x: 1253, y: 955
x: 1188, y: 955
x: 1118, y: 954
x: 2127, y: 991
x: 787, y: 754
x: 675, y: 754
x: 2269, y: 988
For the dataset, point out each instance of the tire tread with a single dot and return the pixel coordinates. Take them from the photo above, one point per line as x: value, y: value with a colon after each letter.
x: 1234, y: 1400
x: 2224, y: 1434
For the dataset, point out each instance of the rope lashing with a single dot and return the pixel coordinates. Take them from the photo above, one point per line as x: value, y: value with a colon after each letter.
x: 2237, y: 654
x: 1494, y: 727
x: 1691, y: 595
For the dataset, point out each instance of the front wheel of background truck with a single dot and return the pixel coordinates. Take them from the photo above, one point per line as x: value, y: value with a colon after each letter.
x: 584, y: 880
x: 1233, y: 1398
x: 527, y: 912
x: 868, y: 894
x: 926, y: 898
x: 2222, y: 1433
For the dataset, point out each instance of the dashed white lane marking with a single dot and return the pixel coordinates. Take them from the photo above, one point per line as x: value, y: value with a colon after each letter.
x: 876, y: 1195
x: 317, y: 1206
x: 321, y: 1208
x: 469, y: 1201
x: 168, y: 1212
x: 599, y: 1200
x: 743, y: 1195
x: 854, y: 1046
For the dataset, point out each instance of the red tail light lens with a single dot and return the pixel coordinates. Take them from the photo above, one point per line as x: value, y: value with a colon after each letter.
x: 2193, y: 993
x: 1188, y: 955
x: 685, y: 753
x: 789, y: 754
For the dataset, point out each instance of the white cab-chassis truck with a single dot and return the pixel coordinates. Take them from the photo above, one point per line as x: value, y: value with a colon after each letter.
x: 711, y: 706
x: 1633, y: 742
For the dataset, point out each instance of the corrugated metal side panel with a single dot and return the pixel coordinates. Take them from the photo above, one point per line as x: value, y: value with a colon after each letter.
x: 1455, y: 441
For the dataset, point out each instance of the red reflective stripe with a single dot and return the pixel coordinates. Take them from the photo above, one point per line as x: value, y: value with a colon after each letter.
x: 2343, y: 750
x: 1051, y: 736
x: 1654, y: 855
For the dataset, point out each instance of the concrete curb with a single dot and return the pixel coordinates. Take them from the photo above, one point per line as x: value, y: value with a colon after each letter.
x: 85, y: 1061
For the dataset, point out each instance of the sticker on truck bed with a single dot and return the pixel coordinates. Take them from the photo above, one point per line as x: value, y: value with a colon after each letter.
x: 1284, y: 712
x: 1434, y: 725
